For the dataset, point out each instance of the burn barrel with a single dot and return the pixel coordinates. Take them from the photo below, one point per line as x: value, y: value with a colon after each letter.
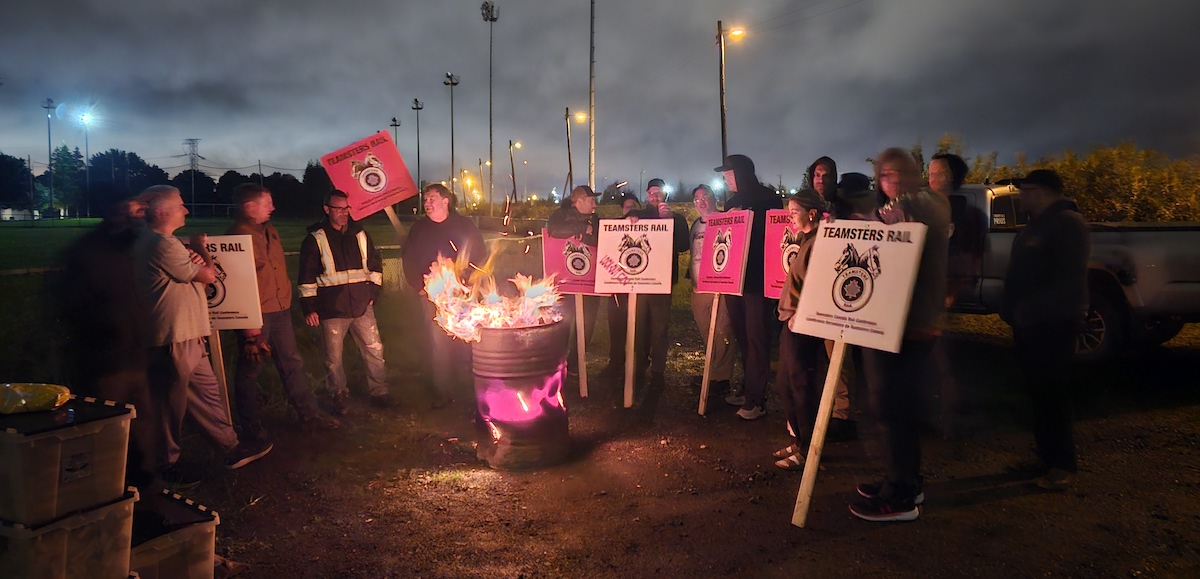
x: 519, y: 374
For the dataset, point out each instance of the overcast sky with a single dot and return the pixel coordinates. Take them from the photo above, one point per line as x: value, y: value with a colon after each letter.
x: 286, y: 81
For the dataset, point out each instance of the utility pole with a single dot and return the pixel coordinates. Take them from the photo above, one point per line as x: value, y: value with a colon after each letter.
x: 193, y: 164
x: 570, y: 168
x: 417, y: 106
x: 451, y: 81
x: 592, y: 103
x: 49, y: 106
x: 721, y: 45
x: 395, y: 134
x: 490, y: 15
x: 87, y: 164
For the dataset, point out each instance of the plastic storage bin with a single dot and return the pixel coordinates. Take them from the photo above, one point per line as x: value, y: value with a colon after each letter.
x: 174, y: 538
x: 62, y: 461
x: 93, y: 544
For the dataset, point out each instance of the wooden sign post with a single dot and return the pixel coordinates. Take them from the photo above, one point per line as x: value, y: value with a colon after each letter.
x: 722, y: 270
x: 572, y: 263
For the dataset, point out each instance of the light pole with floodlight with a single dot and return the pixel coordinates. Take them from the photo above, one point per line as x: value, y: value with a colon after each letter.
x: 417, y: 106
x: 512, y: 169
x: 451, y: 81
x: 86, y: 119
x: 490, y: 15
x: 734, y: 33
x: 395, y: 130
x: 49, y: 106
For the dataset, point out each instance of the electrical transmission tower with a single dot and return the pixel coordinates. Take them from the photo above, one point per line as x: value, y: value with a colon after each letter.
x: 193, y: 155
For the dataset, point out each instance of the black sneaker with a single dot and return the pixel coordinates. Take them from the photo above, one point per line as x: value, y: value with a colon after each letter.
x: 319, y: 422
x: 337, y: 405
x: 881, y: 510
x: 246, y: 453
x: 1056, y: 479
x: 175, y: 479
x: 872, y: 490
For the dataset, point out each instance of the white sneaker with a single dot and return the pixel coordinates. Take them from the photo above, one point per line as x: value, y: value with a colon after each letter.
x: 752, y: 413
x: 735, y: 399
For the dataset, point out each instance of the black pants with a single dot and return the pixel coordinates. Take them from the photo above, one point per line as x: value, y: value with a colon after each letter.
x: 591, y: 306
x: 894, y: 381
x: 750, y: 315
x: 618, y: 325
x: 652, y: 339
x: 799, y: 379
x: 1046, y: 354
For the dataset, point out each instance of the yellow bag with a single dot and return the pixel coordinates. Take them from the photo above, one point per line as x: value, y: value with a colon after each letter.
x: 25, y: 397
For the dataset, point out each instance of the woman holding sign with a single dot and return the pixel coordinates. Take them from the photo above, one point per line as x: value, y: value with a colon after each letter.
x: 894, y: 378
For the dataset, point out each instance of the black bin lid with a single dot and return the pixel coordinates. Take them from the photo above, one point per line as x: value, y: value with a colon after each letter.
x: 75, y: 412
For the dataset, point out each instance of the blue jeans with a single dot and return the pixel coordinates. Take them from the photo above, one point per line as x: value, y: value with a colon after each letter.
x: 277, y: 331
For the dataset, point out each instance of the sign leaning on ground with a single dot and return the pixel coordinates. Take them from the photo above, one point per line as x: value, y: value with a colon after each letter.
x: 572, y: 262
x: 233, y: 302
x: 634, y: 258
x: 723, y: 257
x: 372, y: 173
x: 780, y: 244
x: 859, y: 283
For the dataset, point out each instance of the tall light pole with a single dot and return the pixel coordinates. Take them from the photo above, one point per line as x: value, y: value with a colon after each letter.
x: 580, y: 117
x: 395, y: 130
x: 490, y: 15
x: 86, y: 119
x: 592, y: 102
x: 735, y: 33
x: 49, y: 106
x: 451, y: 81
x: 512, y: 169
x: 417, y: 106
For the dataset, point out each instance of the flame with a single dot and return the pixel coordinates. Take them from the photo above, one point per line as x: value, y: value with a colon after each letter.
x: 463, y: 310
x: 495, y: 431
x: 501, y: 402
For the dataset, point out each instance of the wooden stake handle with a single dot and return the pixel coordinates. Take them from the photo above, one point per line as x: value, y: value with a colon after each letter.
x: 712, y: 332
x: 809, y: 481
x: 630, y: 335
x: 580, y: 346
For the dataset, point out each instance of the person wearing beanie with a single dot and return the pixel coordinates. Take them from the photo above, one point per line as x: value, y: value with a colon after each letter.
x: 577, y: 219
x: 654, y: 310
x: 751, y: 312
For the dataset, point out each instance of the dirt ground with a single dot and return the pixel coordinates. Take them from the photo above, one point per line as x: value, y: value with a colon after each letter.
x: 660, y: 491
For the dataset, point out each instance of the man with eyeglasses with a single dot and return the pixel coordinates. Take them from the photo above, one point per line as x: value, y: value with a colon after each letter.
x: 341, y: 272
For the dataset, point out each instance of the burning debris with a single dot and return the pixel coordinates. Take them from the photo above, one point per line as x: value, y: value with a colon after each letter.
x: 464, y: 310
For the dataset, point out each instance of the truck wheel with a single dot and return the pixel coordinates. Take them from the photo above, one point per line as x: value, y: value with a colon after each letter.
x: 1159, y: 330
x: 1103, y: 333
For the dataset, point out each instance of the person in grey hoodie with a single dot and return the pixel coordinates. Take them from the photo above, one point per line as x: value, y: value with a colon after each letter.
x: 1046, y: 302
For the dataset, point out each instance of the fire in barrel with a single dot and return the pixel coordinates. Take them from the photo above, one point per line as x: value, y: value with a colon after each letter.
x: 519, y: 352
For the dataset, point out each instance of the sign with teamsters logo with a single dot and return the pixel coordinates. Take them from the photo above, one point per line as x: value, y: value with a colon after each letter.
x: 634, y: 258
x: 233, y: 302
x: 572, y: 262
x: 723, y: 257
x: 859, y: 283
x: 781, y: 243
x: 372, y: 174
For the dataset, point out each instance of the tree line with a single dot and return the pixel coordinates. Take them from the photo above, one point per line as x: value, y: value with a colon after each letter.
x: 1119, y: 183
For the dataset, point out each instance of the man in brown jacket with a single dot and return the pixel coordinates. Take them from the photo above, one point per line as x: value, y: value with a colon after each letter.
x: 276, y: 338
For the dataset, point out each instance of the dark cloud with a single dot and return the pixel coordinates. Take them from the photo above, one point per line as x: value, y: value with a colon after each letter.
x: 286, y: 81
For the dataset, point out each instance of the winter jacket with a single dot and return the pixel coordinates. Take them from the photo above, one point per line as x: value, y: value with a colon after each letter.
x: 1047, y: 273
x: 274, y: 285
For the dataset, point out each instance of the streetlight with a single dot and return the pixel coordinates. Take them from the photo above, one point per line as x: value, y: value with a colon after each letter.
x: 735, y: 34
x: 490, y: 15
x: 417, y: 106
x: 49, y: 106
x: 86, y: 120
x: 524, y: 177
x: 451, y: 81
x: 395, y: 133
x: 579, y: 117
x: 512, y: 170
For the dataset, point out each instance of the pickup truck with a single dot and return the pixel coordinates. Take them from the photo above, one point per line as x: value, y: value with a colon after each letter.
x: 1143, y: 278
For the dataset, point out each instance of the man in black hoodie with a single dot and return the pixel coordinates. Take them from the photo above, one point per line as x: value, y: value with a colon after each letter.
x: 1045, y: 302
x: 751, y: 313
x: 341, y: 272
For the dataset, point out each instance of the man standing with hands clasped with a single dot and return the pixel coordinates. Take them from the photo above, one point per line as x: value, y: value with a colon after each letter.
x: 1046, y: 301
x: 341, y: 272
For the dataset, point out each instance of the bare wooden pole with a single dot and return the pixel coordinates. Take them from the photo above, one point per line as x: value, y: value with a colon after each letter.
x: 809, y: 481
x: 630, y: 334
x: 712, y: 332
x: 580, y: 345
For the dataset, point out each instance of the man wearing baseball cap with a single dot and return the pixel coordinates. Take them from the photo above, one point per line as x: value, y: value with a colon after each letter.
x: 577, y: 219
x: 654, y: 310
x: 1045, y: 302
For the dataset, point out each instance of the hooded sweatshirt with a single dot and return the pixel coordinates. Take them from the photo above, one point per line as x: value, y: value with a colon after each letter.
x: 759, y: 199
x: 1047, y: 273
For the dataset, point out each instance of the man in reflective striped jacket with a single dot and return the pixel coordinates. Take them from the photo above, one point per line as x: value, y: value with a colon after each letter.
x: 340, y: 276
